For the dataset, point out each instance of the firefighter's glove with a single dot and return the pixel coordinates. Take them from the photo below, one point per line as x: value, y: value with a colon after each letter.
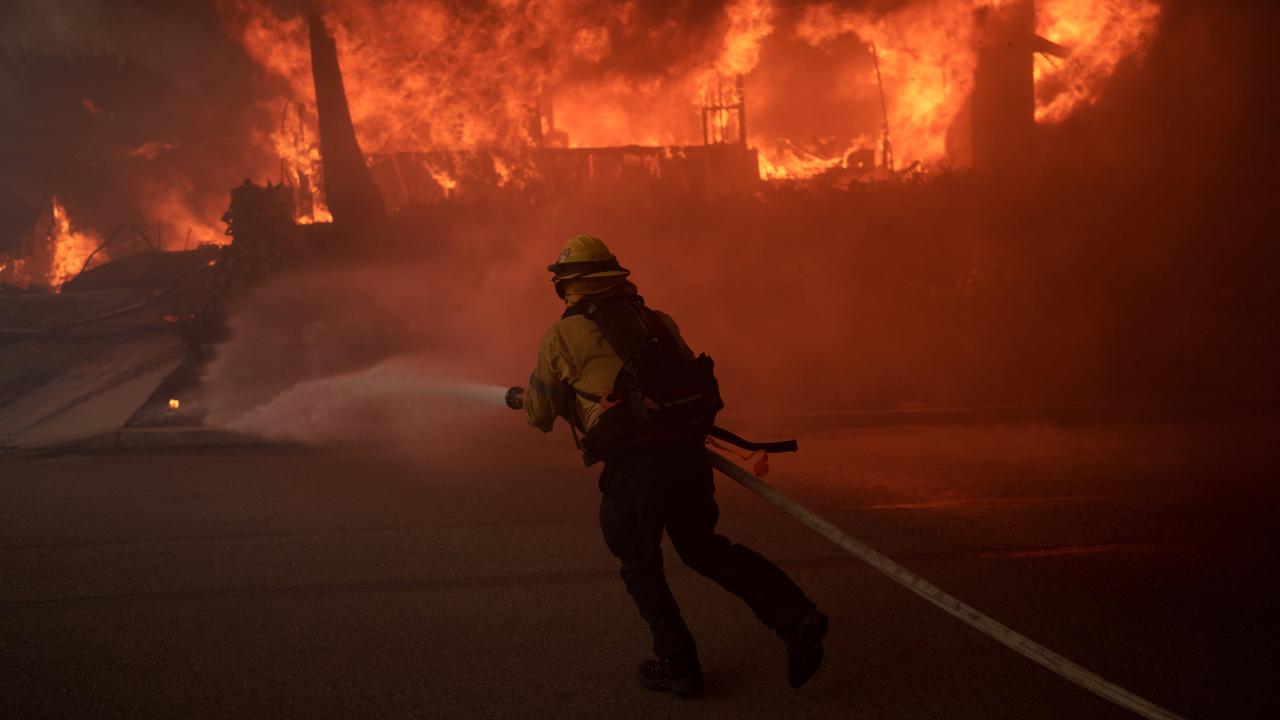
x: 515, y: 398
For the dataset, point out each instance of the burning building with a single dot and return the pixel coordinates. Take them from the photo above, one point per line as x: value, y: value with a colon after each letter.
x: 370, y: 112
x: 559, y: 97
x: 481, y: 113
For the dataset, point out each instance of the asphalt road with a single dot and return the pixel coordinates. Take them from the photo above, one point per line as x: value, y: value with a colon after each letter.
x: 471, y: 580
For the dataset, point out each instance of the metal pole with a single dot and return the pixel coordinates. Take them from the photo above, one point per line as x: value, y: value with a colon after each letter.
x: 887, y: 146
x: 706, y: 138
x: 721, y: 119
x: 742, y: 113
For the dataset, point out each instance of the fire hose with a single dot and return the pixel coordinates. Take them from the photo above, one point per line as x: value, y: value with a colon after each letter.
x: 950, y: 604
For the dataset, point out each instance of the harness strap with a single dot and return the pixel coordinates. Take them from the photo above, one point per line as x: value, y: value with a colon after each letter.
x: 780, y: 446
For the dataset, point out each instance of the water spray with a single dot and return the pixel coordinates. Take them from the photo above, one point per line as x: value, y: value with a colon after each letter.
x: 313, y: 402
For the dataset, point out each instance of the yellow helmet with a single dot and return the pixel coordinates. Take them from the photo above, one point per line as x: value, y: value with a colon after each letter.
x: 586, y: 256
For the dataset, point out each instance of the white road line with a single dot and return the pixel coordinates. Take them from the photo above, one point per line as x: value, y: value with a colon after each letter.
x: 1028, y: 648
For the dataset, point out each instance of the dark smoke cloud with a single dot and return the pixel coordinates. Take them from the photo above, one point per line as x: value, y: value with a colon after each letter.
x: 129, y: 111
x: 178, y: 41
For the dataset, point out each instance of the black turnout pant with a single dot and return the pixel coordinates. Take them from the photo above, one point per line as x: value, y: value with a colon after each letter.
x: 671, y: 489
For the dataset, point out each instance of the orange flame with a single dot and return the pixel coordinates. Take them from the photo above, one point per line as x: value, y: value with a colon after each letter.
x: 171, y: 206
x: 417, y: 75
x: 750, y: 21
x: 927, y: 62
x: 781, y: 165
x: 927, y: 58
x: 1101, y: 34
x: 442, y: 178
x: 58, y: 249
x: 429, y: 75
x: 319, y: 213
x: 301, y: 164
x: 71, y: 248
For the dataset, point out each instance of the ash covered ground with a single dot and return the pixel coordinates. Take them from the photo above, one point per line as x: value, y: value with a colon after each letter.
x: 279, y: 582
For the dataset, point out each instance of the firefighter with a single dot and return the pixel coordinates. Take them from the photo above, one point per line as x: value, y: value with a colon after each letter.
x: 600, y: 368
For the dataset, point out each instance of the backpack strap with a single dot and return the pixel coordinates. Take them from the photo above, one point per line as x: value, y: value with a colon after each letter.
x: 586, y: 308
x: 631, y: 329
x: 627, y: 325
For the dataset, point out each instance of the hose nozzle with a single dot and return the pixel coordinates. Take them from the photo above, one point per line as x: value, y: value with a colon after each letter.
x: 515, y: 398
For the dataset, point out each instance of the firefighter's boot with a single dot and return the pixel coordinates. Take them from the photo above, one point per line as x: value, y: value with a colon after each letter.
x: 804, y: 648
x: 678, y: 678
